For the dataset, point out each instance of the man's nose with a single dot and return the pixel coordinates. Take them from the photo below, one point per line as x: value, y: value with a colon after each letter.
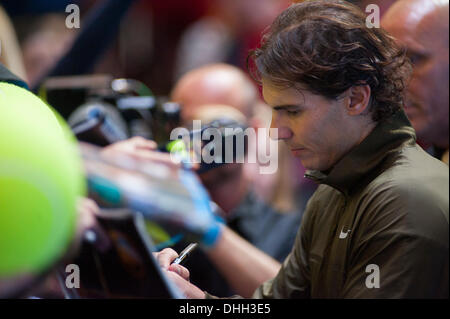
x: 278, y: 130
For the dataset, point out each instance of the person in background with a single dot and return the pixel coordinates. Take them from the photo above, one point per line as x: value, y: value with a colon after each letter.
x: 421, y: 26
x: 220, y: 36
x: 10, y: 53
x: 44, y: 39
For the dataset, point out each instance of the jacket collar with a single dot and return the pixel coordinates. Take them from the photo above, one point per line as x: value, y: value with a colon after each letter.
x: 365, y: 161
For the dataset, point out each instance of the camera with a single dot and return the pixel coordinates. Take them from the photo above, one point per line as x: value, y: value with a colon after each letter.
x: 102, y: 110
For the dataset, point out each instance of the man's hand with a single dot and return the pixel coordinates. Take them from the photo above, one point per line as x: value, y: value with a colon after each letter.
x: 131, y: 145
x: 87, y: 209
x: 178, y: 274
x: 165, y: 258
x: 139, y: 148
x: 189, y: 290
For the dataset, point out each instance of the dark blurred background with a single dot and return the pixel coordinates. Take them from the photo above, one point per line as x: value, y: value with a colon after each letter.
x: 156, y: 42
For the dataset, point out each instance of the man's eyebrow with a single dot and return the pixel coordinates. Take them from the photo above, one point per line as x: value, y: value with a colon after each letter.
x: 413, y: 46
x: 286, y: 106
x: 416, y: 52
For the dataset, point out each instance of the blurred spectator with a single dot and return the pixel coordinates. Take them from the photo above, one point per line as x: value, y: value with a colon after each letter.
x: 422, y: 27
x: 215, y: 84
x: 44, y: 40
x: 147, y: 45
x: 41, y: 32
x: 101, y: 22
x: 226, y: 34
x: 145, y: 49
x: 10, y: 54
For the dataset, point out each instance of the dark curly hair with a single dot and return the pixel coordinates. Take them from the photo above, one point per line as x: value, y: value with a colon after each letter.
x: 326, y: 47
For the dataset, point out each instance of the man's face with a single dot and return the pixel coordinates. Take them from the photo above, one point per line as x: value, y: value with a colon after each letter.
x: 427, y: 99
x: 213, y: 85
x: 315, y: 128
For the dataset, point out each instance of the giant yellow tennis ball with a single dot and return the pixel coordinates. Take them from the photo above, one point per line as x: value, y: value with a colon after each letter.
x: 41, y: 178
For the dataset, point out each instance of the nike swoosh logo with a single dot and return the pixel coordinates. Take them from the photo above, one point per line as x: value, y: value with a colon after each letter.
x: 343, y: 235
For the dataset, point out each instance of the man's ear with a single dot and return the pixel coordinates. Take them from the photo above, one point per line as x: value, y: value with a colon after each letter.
x: 358, y: 100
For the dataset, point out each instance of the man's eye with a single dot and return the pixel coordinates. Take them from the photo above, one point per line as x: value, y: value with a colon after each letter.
x: 416, y: 58
x: 293, y: 112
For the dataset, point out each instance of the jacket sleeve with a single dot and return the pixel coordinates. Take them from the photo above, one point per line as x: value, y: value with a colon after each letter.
x: 292, y: 281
